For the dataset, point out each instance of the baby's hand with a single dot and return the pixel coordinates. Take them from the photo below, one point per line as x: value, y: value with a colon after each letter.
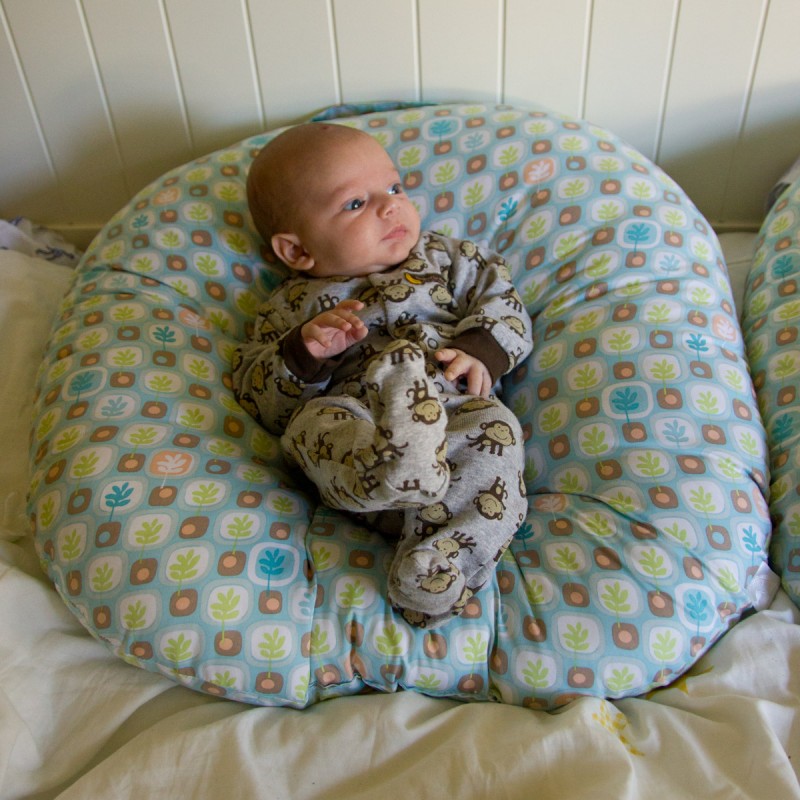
x: 332, y: 332
x: 463, y: 365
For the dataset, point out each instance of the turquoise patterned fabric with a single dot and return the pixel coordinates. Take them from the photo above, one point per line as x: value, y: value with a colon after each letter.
x: 770, y: 317
x: 171, y: 527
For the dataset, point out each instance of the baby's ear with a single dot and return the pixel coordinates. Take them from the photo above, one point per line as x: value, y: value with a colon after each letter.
x: 290, y: 250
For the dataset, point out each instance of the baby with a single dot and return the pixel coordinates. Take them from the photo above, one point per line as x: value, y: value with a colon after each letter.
x: 375, y: 362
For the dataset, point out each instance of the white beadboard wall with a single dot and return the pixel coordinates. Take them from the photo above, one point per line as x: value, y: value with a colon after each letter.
x: 98, y: 97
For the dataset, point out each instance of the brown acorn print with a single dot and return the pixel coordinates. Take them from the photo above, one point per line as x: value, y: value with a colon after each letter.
x: 602, y: 236
x: 596, y: 290
x: 575, y: 594
x: 143, y: 570
x: 534, y: 629
x: 560, y: 526
x: 131, y: 462
x: 697, y: 645
x: 541, y: 197
x: 188, y: 440
x: 559, y: 446
x: 625, y: 635
x: 498, y: 661
x: 183, y: 602
x: 505, y: 581
x: 663, y: 497
x: 508, y: 180
x: 547, y: 389
x: 443, y: 202
x: 606, y: 558
x: 269, y: 682
x: 249, y: 498
x: 713, y: 434
x: 608, y: 469
x: 635, y: 260
x: 412, y: 180
x: 231, y: 562
x: 470, y: 684
x: 643, y: 530
x: 354, y: 633
x: 233, y: 218
x: 280, y: 531
x: 154, y: 409
x: 55, y: 471
x: 74, y: 582
x: 201, y: 343
x: 587, y: 407
x: 193, y: 527
x: 634, y: 432
x: 409, y: 134
x: 270, y: 602
x: 669, y: 398
x: 176, y: 263
x: 660, y: 604
x: 476, y: 164
x: 434, y: 645
x: 123, y: 380
x: 535, y: 258
x: 692, y: 465
x: 361, y: 559
x: 580, y: 677
x: 162, y: 495
x: 624, y: 370
x: 693, y: 569
x: 201, y: 238
x: 228, y: 643
x: 101, y: 616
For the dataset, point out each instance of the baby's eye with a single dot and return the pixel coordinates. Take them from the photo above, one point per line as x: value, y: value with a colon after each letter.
x: 354, y: 205
x: 395, y: 188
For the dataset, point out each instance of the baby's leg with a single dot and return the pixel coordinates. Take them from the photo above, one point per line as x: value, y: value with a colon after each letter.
x: 449, y: 549
x: 387, y: 451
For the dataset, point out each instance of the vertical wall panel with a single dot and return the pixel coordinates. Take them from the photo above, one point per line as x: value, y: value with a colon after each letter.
x: 59, y: 67
x: 28, y: 185
x: 100, y: 96
x: 627, y: 71
x: 772, y: 125
x: 212, y: 47
x: 714, y: 49
x: 545, y: 53
x: 460, y: 61
x: 144, y: 99
x: 295, y: 58
x: 376, y: 47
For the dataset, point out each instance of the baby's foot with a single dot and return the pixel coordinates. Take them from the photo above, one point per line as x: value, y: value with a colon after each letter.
x: 423, y: 580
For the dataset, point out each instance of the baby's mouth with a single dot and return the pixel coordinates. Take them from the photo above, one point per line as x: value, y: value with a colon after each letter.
x: 398, y: 232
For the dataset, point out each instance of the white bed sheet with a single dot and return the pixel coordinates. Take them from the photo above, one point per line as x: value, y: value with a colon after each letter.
x: 75, y: 722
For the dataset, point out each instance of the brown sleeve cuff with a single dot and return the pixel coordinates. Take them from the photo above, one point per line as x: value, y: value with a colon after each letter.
x: 481, y: 344
x: 301, y: 363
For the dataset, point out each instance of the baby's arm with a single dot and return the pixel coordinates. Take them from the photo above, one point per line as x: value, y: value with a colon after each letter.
x: 332, y: 332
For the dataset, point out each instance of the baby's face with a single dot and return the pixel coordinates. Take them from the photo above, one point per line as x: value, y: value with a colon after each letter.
x: 354, y: 217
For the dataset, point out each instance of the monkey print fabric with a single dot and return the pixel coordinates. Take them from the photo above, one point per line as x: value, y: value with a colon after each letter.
x: 393, y: 432
x: 447, y: 293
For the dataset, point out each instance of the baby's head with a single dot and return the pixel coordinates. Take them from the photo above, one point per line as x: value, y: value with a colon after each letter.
x: 329, y: 201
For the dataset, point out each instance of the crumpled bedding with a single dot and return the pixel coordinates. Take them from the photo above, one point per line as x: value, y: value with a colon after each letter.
x: 76, y: 722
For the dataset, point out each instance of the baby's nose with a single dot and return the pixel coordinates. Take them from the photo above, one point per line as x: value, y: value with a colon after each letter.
x: 388, y: 206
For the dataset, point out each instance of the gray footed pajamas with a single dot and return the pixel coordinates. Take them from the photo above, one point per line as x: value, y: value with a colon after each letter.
x: 380, y: 429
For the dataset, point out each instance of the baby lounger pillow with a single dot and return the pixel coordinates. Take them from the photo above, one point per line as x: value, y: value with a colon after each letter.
x: 771, y: 312
x: 173, y: 529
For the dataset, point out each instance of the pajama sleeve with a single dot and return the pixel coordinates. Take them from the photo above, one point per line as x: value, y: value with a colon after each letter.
x: 494, y: 325
x: 273, y: 373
